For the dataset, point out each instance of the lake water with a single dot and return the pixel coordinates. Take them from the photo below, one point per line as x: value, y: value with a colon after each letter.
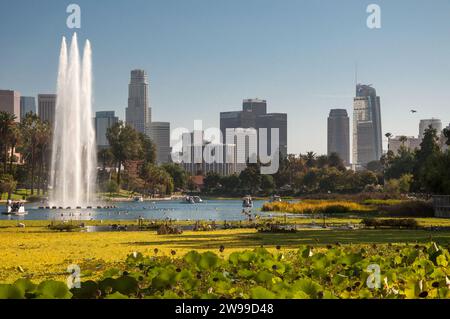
x: 219, y: 210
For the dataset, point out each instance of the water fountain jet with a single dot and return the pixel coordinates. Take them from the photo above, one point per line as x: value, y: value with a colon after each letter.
x: 73, y: 163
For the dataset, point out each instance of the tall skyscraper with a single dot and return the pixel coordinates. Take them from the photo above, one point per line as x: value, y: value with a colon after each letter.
x: 27, y: 105
x: 367, y: 139
x: 255, y: 106
x: 251, y: 120
x: 339, y: 134
x: 10, y: 102
x: 425, y: 124
x: 103, y: 120
x: 160, y: 135
x: 46, y: 107
x: 138, y: 112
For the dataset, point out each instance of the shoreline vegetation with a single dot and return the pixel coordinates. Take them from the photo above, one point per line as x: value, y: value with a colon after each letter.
x: 316, y: 207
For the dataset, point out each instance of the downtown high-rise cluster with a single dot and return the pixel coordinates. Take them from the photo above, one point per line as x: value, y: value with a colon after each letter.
x: 252, y: 118
x: 367, y: 136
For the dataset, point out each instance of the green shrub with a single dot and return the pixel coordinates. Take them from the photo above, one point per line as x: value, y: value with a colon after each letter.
x: 399, y: 222
x: 382, y: 202
x: 409, y: 209
x: 64, y: 227
x: 336, y: 209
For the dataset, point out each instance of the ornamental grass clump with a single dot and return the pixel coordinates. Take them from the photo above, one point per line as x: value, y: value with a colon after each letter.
x: 315, y: 207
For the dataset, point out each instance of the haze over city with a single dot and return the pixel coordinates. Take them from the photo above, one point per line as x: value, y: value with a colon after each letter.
x: 204, y: 57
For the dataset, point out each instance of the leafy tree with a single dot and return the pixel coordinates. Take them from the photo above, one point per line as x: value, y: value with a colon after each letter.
x: 425, y: 157
x: 267, y: 184
x: 446, y: 134
x: 400, y: 164
x: 178, y: 174
x: 211, y: 182
x: 230, y: 184
x: 310, y: 180
x: 7, y: 184
x: 334, y: 160
x: 105, y: 157
x: 112, y: 187
x: 375, y: 166
x: 148, y: 149
x: 435, y: 176
x: 330, y: 179
x: 321, y: 161
x: 364, y: 178
x: 405, y: 183
x: 392, y: 186
x: 156, y: 179
x: 125, y: 143
x: 250, y: 178
x: 290, y: 167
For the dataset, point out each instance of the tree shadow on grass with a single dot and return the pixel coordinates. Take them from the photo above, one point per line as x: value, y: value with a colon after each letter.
x: 293, y: 240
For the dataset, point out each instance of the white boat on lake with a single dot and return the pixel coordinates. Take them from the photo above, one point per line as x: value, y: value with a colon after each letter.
x: 15, y: 209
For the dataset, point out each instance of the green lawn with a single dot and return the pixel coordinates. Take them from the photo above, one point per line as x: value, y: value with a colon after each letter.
x: 39, y: 253
x: 19, y: 194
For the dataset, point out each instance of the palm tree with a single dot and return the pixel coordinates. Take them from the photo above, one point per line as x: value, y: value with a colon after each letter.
x: 43, y: 139
x: 7, y: 121
x: 30, y: 127
x: 403, y: 139
x: 310, y: 159
x: 14, y: 140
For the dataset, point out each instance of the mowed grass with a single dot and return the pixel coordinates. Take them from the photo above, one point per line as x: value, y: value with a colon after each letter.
x: 19, y: 194
x: 40, y: 254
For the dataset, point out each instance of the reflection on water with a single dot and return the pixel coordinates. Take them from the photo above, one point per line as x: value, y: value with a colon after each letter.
x: 219, y: 210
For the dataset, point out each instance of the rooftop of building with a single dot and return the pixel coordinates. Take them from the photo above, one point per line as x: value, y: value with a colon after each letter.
x: 338, y: 112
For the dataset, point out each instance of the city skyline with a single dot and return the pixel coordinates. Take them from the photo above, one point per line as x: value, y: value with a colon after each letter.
x: 194, y: 71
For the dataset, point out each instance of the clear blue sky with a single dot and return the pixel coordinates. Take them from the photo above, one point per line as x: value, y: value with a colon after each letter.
x: 205, y: 56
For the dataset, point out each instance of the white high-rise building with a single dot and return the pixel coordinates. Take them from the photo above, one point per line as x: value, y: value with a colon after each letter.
x: 160, y: 135
x: 138, y: 112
